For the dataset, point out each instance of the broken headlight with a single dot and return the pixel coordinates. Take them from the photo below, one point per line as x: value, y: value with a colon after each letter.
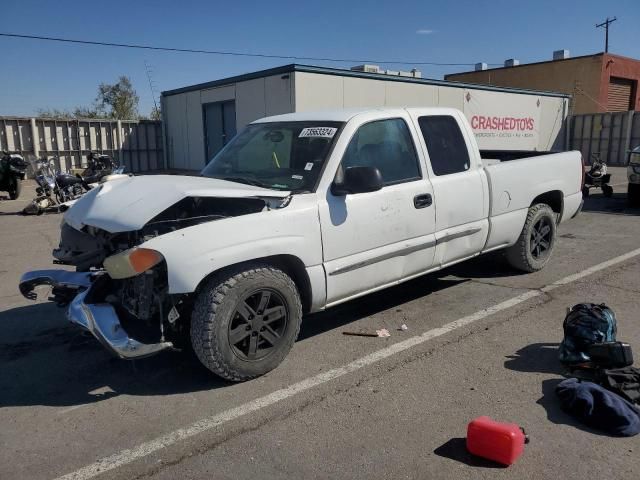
x: 131, y: 262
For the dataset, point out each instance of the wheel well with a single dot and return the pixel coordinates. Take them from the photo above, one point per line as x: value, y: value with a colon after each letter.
x: 289, y: 264
x: 554, y: 199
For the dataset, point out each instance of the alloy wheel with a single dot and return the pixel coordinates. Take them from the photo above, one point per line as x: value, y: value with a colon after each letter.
x: 258, y: 325
x: 541, y: 238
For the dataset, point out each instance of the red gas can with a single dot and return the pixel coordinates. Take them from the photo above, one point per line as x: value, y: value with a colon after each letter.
x: 500, y: 442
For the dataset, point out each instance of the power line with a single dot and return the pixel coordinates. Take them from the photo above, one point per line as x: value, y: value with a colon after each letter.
x: 228, y: 53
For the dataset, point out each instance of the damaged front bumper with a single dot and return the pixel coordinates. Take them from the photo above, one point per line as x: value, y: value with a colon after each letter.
x: 101, y: 319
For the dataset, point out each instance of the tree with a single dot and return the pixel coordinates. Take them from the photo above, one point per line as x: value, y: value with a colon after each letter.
x: 119, y: 101
x: 156, y: 113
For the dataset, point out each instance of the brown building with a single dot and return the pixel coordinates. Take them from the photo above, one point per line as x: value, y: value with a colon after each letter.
x: 598, y: 83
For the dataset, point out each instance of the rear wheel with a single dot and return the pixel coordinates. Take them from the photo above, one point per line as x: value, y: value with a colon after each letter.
x: 15, y: 188
x: 633, y: 195
x: 245, y: 323
x: 538, y: 237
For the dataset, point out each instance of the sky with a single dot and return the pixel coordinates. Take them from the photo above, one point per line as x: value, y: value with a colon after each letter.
x: 39, y: 75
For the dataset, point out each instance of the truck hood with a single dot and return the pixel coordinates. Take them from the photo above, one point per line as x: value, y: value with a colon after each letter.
x: 127, y: 204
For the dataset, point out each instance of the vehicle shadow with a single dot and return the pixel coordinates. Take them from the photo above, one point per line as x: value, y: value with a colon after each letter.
x: 615, y: 205
x: 47, y: 361
x: 368, y: 305
x: 489, y: 265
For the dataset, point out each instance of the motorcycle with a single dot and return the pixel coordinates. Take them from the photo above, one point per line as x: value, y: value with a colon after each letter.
x: 45, y: 177
x: 13, y: 169
x: 63, y: 189
x: 597, y: 177
x: 101, y: 168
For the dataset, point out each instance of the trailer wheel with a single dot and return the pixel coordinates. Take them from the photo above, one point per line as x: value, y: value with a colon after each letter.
x: 15, y: 188
x: 538, y: 237
x: 244, y: 323
x: 633, y: 195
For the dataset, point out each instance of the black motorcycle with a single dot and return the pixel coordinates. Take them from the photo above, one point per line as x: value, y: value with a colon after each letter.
x: 13, y: 169
x: 98, y: 166
x: 56, y: 188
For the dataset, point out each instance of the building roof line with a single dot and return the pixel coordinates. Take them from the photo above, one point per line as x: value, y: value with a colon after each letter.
x: 522, y: 65
x: 291, y: 68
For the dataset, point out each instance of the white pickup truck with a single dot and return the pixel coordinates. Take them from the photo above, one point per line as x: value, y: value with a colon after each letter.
x: 296, y: 214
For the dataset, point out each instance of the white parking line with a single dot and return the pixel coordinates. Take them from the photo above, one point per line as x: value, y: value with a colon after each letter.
x: 125, y: 457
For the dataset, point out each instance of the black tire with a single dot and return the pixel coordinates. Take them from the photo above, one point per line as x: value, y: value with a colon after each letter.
x: 585, y: 192
x: 633, y: 195
x: 15, y: 188
x: 538, y: 237
x: 220, y: 309
x: 607, y: 191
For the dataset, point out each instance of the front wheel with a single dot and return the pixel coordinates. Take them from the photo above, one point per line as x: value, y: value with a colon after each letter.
x: 15, y: 188
x: 538, y: 237
x: 245, y: 323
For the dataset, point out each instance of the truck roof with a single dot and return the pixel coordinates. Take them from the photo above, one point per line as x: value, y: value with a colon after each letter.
x: 346, y: 114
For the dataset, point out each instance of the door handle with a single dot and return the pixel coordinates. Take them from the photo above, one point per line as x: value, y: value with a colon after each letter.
x: 423, y: 200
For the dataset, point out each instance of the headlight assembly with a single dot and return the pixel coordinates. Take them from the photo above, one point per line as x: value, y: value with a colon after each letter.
x: 131, y: 262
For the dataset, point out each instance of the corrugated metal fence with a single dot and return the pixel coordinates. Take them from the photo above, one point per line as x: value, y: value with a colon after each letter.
x: 609, y: 135
x: 136, y: 144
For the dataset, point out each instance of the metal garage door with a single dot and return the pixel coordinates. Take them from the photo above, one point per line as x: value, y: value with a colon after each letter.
x: 620, y: 90
x: 219, y: 125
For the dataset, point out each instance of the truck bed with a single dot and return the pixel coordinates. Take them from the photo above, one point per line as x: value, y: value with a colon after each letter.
x: 517, y: 177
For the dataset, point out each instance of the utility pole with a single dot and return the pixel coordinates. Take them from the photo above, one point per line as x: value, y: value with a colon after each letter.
x: 605, y: 25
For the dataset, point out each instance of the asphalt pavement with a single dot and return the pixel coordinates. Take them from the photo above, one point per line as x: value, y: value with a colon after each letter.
x: 481, y: 340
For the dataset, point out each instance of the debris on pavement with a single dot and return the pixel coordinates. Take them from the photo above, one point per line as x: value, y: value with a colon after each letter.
x: 403, y: 327
x: 361, y: 334
x: 383, y: 332
x: 598, y: 408
x: 497, y: 441
x: 584, y: 325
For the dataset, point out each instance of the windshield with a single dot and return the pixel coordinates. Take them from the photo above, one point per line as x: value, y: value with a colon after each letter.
x: 280, y: 156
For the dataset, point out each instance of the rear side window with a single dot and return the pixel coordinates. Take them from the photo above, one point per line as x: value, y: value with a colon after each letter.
x: 447, y: 150
x: 386, y: 145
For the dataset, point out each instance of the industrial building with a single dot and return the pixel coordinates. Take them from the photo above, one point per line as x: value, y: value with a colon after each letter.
x: 200, y: 119
x: 597, y: 83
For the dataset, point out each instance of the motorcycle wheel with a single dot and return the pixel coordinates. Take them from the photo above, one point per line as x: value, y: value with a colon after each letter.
x: 15, y: 188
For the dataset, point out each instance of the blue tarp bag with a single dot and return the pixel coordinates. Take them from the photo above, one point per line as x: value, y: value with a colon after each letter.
x: 584, y: 325
x: 598, y: 408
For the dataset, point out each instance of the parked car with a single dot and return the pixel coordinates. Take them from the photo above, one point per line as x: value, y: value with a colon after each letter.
x: 633, y: 176
x: 298, y: 213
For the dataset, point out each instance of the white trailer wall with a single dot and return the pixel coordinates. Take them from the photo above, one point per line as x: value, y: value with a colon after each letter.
x: 315, y: 91
x: 184, y: 119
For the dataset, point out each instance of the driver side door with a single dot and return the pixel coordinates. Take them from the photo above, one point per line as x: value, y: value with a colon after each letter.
x: 374, y: 239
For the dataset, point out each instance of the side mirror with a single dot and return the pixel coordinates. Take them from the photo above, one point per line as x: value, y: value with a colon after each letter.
x: 358, y: 180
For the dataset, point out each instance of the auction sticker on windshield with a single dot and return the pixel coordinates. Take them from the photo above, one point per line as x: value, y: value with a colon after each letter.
x: 318, y: 132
